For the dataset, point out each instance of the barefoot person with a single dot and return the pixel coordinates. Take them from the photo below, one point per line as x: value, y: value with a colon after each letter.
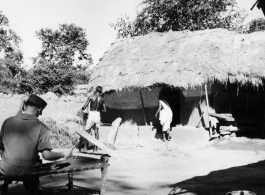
x: 97, y: 104
x: 22, y: 137
x: 165, y: 117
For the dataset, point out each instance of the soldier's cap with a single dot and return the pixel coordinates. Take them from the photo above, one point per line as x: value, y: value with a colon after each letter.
x: 38, y: 101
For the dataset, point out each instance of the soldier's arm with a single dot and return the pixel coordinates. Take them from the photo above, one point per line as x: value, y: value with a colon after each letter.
x: 50, y: 155
x: 45, y: 147
x: 23, y: 101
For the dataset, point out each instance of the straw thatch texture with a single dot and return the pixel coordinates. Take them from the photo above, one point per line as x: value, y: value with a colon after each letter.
x: 182, y: 59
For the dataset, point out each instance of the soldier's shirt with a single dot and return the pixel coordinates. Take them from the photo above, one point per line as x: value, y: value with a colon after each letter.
x: 22, y: 137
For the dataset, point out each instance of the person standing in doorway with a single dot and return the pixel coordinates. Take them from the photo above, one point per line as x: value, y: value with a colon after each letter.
x: 165, y: 117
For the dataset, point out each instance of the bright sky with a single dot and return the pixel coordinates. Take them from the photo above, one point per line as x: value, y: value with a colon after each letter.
x: 28, y: 16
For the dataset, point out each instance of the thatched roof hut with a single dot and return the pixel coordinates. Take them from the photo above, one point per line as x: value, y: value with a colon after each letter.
x: 182, y: 59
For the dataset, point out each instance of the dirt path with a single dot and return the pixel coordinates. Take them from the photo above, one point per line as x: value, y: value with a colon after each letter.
x: 153, y: 167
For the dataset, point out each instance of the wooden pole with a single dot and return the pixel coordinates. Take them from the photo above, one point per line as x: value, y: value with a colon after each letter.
x: 207, y: 102
x: 104, y: 169
x: 143, y: 107
x: 254, y: 5
x: 263, y: 109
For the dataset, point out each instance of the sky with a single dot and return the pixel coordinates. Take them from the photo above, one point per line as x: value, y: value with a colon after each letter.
x: 28, y: 16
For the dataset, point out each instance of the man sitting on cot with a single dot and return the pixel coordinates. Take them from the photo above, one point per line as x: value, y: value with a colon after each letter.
x: 22, y: 137
x: 97, y: 104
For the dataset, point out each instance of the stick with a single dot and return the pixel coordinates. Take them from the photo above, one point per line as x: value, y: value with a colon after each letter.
x: 200, y: 119
x: 207, y: 102
x: 96, y: 142
x: 254, y: 5
x: 143, y: 107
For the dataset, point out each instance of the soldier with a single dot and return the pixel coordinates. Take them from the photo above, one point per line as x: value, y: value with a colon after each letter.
x: 22, y: 137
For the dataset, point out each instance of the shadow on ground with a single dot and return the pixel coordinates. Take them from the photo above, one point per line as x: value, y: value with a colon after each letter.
x: 92, y: 183
x: 249, y: 177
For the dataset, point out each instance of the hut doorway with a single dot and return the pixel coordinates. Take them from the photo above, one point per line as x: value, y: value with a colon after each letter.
x: 172, y: 96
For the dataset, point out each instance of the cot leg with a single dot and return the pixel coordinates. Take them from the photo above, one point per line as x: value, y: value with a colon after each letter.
x: 104, y: 169
x: 70, y: 181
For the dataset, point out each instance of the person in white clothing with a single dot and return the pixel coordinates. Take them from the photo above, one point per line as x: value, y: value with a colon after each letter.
x: 165, y: 117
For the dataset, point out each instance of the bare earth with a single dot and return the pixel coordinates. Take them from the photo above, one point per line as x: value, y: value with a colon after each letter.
x: 187, y: 166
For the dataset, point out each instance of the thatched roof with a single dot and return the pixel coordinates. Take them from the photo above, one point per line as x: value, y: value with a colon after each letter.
x: 182, y: 59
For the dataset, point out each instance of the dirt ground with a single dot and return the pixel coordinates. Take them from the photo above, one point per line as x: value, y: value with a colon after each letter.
x: 188, y: 165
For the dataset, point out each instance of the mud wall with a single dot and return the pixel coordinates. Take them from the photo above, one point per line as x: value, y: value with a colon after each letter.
x: 127, y: 105
x: 131, y: 99
x: 60, y: 109
x: 193, y: 105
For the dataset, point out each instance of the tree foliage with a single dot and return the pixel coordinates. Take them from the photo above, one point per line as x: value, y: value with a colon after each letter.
x: 256, y: 25
x: 63, y: 61
x: 61, y: 64
x: 66, y: 45
x: 11, y: 72
x: 56, y: 77
x: 178, y: 15
x: 9, y: 41
x: 11, y: 69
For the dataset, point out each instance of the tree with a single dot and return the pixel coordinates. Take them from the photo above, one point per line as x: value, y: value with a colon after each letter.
x: 11, y: 72
x: 50, y: 76
x: 63, y: 61
x: 66, y: 45
x: 11, y: 64
x: 9, y: 41
x: 178, y: 15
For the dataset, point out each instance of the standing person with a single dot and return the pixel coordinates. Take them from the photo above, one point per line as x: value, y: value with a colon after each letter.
x: 165, y: 117
x: 97, y: 104
x: 84, y: 116
x: 22, y: 137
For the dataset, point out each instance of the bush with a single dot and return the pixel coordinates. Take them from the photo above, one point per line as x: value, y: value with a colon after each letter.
x: 257, y: 25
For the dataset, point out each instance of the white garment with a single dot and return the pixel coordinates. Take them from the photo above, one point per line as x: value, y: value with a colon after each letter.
x: 165, y: 115
x: 93, y: 118
x: 214, y: 121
